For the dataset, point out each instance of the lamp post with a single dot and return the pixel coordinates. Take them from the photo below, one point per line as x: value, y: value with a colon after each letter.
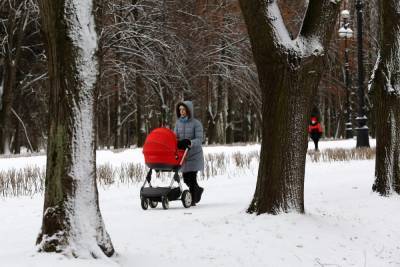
x: 345, y: 32
x: 362, y: 129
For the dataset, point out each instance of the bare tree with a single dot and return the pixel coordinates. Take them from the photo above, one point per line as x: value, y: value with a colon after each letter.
x: 152, y: 54
x: 22, y: 75
x: 18, y: 17
x: 289, y: 72
x: 385, y: 87
x: 72, y: 222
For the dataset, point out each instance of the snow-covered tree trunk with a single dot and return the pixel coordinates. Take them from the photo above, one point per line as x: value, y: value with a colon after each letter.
x: 289, y: 72
x: 72, y: 222
x: 385, y: 88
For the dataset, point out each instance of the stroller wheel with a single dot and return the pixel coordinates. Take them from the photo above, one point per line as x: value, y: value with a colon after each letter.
x: 153, y: 204
x: 165, y: 202
x: 144, y: 203
x: 187, y: 199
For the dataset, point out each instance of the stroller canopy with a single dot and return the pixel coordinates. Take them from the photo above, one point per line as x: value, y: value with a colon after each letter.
x: 160, y: 150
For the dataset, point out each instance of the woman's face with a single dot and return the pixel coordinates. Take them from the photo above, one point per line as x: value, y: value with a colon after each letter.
x: 182, y: 111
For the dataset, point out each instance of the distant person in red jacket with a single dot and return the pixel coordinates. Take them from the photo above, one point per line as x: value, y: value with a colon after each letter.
x: 315, y: 131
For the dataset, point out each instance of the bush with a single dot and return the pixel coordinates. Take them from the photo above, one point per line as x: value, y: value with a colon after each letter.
x: 30, y: 180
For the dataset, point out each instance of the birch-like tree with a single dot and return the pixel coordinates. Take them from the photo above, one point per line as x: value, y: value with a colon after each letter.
x: 289, y: 71
x: 72, y: 222
x: 385, y: 88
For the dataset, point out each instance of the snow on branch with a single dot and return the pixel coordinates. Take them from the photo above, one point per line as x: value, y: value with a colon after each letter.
x: 373, y: 74
x: 303, y: 46
x: 392, y: 67
x: 278, y: 26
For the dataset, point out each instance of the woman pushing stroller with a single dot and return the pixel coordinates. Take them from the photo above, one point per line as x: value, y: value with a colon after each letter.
x: 189, y: 132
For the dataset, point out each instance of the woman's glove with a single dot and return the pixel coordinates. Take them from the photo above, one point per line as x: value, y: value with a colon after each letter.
x: 184, y: 144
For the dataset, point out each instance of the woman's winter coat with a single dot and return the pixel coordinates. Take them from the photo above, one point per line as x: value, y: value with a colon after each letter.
x: 315, y: 130
x: 191, y: 129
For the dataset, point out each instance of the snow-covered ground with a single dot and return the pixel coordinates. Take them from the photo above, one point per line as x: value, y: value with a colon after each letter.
x: 345, y: 223
x: 135, y: 155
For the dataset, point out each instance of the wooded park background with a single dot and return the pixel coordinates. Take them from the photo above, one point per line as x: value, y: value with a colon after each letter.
x: 153, y: 54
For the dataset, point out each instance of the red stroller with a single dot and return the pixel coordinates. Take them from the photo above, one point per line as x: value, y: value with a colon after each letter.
x: 161, y: 154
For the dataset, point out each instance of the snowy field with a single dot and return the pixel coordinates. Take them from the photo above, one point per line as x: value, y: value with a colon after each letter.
x: 345, y: 223
x: 135, y: 155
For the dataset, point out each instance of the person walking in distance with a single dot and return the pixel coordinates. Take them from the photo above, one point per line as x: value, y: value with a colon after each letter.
x: 315, y: 131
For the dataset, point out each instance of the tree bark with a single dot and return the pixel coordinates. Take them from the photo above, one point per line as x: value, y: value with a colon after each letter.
x: 108, y: 123
x: 289, y: 77
x: 328, y: 117
x: 229, y: 118
x: 386, y: 93
x: 117, y: 127
x: 15, y: 31
x: 72, y: 223
x: 220, y: 116
x: 140, y: 124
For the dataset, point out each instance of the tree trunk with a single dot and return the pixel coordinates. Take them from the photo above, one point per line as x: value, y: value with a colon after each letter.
x: 328, y: 117
x: 219, y: 120
x: 108, y: 123
x: 229, y: 118
x: 385, y: 139
x: 396, y: 154
x: 211, y: 111
x: 246, y: 123
x: 72, y: 223
x: 6, y: 104
x: 140, y: 125
x: 289, y: 75
x: 216, y: 102
x: 280, y: 183
x: 322, y: 114
x: 15, y: 31
x: 17, y: 144
x: 386, y: 92
x: 117, y: 133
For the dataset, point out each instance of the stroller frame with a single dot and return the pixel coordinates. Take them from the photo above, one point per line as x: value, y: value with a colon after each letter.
x: 150, y: 196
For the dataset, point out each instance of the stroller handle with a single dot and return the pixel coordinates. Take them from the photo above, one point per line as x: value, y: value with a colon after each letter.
x: 184, y: 156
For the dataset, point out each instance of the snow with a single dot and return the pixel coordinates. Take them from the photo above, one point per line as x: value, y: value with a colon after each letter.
x: 373, y: 73
x: 345, y: 223
x: 275, y: 17
x: 345, y: 31
x: 134, y: 155
x: 310, y: 46
x: 392, y: 66
x: 361, y: 118
x: 83, y: 34
x: 303, y: 46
